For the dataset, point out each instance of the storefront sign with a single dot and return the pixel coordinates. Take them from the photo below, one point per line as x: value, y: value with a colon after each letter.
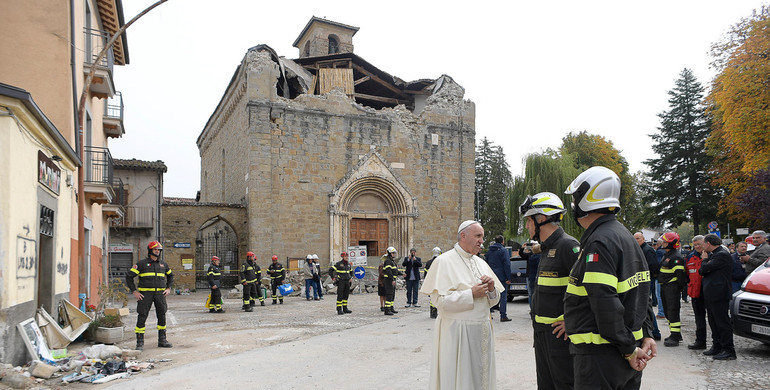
x: 48, y: 174
x: 126, y: 248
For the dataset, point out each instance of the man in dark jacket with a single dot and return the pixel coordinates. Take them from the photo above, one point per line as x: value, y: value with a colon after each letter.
x: 215, y: 283
x: 500, y: 262
x: 654, y: 265
x: 412, y: 277
x: 717, y: 268
x: 739, y: 274
x: 155, y: 280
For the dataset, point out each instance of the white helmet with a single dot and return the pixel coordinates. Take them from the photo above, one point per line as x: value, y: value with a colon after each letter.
x: 309, y: 257
x: 546, y: 203
x: 436, y: 251
x: 595, y: 189
x: 315, y: 256
x: 392, y: 251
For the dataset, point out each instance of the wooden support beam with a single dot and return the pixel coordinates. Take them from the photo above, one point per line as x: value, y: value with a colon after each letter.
x: 378, y: 80
x: 380, y: 98
x: 361, y: 80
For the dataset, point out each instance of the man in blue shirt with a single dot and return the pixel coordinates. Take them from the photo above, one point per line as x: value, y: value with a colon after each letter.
x: 500, y: 262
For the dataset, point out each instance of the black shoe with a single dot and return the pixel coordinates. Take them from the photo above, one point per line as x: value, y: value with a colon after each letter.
x: 712, y: 351
x: 671, y: 342
x: 697, y: 345
x: 281, y: 301
x: 345, y: 310
x: 382, y: 308
x: 393, y: 311
x: 725, y: 355
x: 249, y: 309
x: 388, y: 312
x: 221, y: 311
x: 262, y: 303
x: 212, y: 310
x: 315, y: 299
x: 275, y: 302
x: 504, y: 319
x: 339, y: 310
x: 415, y: 305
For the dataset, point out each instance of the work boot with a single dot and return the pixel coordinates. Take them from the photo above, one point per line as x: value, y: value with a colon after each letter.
x: 345, y: 309
x: 388, y: 311
x: 672, y: 341
x: 248, y: 309
x: 275, y: 302
x: 262, y: 303
x: 433, y: 312
x: 697, y: 345
x: 140, y: 341
x: 712, y: 351
x: 212, y: 310
x: 339, y: 310
x: 252, y: 304
x: 280, y: 301
x: 162, y: 342
x: 220, y: 310
x: 392, y: 310
x: 244, y: 307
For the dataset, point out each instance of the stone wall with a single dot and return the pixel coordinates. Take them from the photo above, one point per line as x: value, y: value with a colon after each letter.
x: 181, y: 222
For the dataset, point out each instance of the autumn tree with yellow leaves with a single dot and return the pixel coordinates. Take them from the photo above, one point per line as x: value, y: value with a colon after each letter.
x: 740, y: 107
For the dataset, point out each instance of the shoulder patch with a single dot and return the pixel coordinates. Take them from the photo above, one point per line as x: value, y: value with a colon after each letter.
x: 135, y: 266
x: 576, y: 249
x: 592, y: 258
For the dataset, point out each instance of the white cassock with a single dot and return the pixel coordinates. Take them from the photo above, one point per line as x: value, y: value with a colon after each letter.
x: 463, y: 340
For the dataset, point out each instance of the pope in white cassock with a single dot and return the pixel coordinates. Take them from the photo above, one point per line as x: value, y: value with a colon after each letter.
x: 463, y: 288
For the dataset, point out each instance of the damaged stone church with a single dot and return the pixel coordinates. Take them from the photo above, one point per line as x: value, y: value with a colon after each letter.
x: 327, y: 151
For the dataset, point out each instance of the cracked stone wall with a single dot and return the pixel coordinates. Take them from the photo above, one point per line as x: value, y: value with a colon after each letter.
x: 283, y: 158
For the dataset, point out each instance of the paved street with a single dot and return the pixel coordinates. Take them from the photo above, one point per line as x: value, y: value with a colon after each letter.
x: 304, y: 344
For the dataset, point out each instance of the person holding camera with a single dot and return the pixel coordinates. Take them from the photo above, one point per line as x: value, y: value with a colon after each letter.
x: 412, y: 277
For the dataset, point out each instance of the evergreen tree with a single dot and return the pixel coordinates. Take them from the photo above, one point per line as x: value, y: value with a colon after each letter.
x: 493, y: 177
x: 679, y: 189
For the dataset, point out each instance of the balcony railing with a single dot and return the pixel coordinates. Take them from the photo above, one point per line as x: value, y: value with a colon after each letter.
x: 95, y: 41
x: 99, y: 166
x: 136, y: 217
x: 120, y: 193
x: 113, y: 116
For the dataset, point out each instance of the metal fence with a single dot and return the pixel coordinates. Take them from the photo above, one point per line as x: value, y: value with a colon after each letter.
x: 223, y: 244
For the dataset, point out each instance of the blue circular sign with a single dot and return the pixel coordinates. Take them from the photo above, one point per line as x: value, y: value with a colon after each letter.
x: 360, y: 272
x: 712, y: 225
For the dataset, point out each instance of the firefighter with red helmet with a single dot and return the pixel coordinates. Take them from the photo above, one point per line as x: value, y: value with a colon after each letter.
x: 277, y: 274
x: 672, y: 281
x: 155, y: 280
x: 342, y: 273
x: 250, y: 273
x: 215, y: 283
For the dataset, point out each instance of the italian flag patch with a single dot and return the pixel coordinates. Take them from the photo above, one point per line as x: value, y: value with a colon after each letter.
x: 592, y: 258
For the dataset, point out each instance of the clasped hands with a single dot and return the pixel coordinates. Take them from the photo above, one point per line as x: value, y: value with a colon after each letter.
x: 486, y: 285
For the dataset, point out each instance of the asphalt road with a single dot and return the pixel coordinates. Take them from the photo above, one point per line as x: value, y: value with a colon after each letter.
x: 305, y: 345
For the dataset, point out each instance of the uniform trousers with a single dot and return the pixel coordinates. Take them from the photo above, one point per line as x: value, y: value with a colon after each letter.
x: 553, y: 362
x: 670, y: 295
x: 605, y: 370
x: 143, y: 309
x: 390, y: 292
x: 343, y: 292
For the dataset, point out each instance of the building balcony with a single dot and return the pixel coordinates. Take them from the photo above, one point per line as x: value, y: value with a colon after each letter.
x: 136, y: 218
x: 113, y: 116
x: 102, y: 85
x: 98, y: 168
x: 116, y: 209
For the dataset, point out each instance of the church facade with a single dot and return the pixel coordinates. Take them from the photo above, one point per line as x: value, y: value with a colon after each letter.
x: 327, y: 151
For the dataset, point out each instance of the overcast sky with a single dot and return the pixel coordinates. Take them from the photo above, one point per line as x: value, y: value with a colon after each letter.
x: 535, y: 70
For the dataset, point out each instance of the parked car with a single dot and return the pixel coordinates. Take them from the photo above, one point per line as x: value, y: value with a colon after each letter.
x: 518, y: 284
x: 750, y: 307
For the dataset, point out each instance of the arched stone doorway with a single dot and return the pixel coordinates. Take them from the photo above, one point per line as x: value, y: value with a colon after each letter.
x: 216, y: 237
x: 371, y: 207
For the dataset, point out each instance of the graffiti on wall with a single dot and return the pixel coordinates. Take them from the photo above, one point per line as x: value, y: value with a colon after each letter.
x: 62, y: 268
x: 26, y: 258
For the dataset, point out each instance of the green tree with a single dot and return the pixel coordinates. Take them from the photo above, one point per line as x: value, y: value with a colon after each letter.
x: 546, y: 171
x: 680, y: 190
x: 587, y: 150
x: 739, y: 101
x: 638, y: 211
x: 491, y: 187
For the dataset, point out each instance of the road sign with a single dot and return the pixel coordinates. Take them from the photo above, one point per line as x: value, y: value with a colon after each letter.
x: 360, y: 272
x: 357, y: 255
x: 742, y: 231
x: 181, y: 245
x: 712, y: 225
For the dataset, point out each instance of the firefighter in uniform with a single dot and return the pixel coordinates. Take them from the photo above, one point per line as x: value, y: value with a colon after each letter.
x: 436, y: 253
x: 155, y: 279
x: 553, y: 362
x: 341, y: 273
x: 672, y: 281
x: 277, y: 274
x: 607, y: 312
x: 215, y: 282
x: 390, y: 272
x: 249, y: 278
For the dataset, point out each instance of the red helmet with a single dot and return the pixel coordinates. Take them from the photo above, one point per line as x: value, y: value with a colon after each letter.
x: 275, y: 257
x: 672, y: 239
x: 214, y: 258
x: 250, y: 254
x: 344, y: 254
x: 154, y: 245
